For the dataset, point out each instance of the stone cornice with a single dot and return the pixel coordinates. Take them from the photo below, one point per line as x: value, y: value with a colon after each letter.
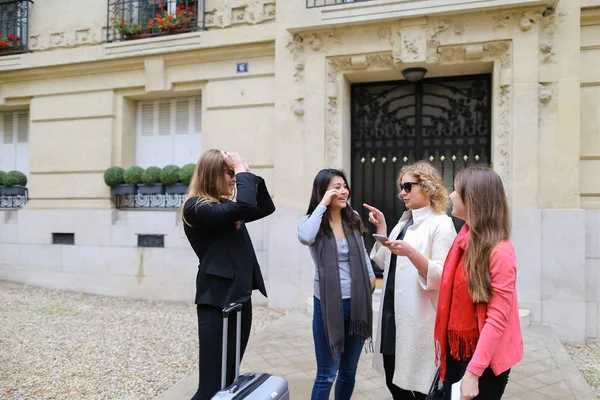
x: 590, y: 16
x: 124, y: 56
x: 389, y: 10
x: 127, y: 64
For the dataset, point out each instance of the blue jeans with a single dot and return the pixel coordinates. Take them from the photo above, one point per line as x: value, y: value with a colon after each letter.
x: 345, y: 366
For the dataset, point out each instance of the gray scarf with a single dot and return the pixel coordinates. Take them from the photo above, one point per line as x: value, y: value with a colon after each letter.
x: 361, y: 313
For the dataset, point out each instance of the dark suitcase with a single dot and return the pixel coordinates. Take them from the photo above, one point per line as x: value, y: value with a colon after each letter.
x: 251, y: 385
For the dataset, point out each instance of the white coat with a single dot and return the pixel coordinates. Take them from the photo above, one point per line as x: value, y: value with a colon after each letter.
x: 415, y: 298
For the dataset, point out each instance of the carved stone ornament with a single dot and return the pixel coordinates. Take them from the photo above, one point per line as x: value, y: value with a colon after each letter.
x: 298, y: 107
x: 233, y: 12
x: 384, y: 33
x: 67, y: 39
x: 528, y: 20
x: 317, y: 41
x: 503, y: 164
x: 332, y: 135
x: 500, y: 50
x: 545, y: 95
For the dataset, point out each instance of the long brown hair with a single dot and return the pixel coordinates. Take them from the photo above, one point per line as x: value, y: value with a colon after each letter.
x: 430, y: 181
x: 206, y: 179
x: 482, y: 192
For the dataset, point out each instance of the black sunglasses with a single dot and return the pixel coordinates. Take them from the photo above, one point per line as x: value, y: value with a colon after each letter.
x: 407, y: 186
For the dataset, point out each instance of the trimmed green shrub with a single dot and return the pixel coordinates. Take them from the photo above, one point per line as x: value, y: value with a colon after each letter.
x: 114, y: 176
x: 151, y: 176
x: 14, y: 178
x: 2, y: 174
x: 169, y: 175
x: 133, y: 175
x: 186, y: 172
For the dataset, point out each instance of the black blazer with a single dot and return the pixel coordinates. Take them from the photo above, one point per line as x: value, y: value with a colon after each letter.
x: 228, y: 270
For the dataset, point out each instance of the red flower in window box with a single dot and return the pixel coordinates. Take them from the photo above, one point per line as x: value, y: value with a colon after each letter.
x: 11, y: 44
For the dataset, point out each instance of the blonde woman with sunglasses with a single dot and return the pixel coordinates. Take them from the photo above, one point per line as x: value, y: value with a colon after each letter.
x: 413, y: 258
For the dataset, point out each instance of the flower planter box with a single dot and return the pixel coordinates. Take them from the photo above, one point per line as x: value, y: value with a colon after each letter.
x: 178, y: 188
x: 14, y: 191
x: 123, y: 189
x: 157, y: 188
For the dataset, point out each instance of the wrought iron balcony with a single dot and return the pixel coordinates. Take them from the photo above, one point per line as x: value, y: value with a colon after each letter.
x: 137, y: 19
x: 141, y: 200
x: 325, y: 3
x: 13, y: 197
x: 14, y: 18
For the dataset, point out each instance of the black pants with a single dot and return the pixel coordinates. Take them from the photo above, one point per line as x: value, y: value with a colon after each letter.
x: 491, y: 387
x: 389, y: 365
x: 210, y: 335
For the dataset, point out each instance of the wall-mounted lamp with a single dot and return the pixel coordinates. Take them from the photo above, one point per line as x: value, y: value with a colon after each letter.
x: 414, y: 74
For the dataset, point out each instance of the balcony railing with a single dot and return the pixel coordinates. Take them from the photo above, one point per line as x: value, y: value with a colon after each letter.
x: 141, y: 200
x: 325, y: 3
x: 137, y: 19
x: 14, y: 18
x: 14, y: 200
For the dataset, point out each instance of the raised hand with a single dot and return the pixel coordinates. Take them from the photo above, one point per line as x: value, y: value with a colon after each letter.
x: 329, y: 195
x: 234, y: 161
x: 377, y: 218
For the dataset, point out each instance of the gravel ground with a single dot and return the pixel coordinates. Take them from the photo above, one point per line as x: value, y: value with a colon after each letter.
x: 587, y: 359
x: 65, y: 345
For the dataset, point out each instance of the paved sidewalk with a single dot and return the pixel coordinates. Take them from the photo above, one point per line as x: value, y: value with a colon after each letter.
x: 286, y: 348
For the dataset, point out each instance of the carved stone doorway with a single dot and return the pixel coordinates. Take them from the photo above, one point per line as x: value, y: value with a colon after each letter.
x: 444, y: 120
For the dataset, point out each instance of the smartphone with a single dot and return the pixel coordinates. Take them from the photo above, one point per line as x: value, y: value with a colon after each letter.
x: 380, y: 238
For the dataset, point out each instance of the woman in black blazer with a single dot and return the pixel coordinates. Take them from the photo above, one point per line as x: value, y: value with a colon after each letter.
x: 228, y: 270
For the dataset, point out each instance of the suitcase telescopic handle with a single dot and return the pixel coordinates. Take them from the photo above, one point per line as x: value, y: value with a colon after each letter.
x: 233, y: 307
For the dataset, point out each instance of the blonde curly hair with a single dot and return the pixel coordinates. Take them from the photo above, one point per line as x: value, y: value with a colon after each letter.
x: 430, y: 181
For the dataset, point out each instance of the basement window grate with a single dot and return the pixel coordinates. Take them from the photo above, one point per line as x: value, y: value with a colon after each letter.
x: 63, y: 238
x: 151, y: 241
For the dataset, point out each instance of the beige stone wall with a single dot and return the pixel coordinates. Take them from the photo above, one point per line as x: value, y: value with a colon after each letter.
x: 83, y: 113
x: 290, y: 116
x: 590, y: 107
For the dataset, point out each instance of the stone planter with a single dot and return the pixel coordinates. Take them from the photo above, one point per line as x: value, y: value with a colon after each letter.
x: 157, y: 188
x: 14, y: 191
x: 178, y: 188
x: 123, y: 189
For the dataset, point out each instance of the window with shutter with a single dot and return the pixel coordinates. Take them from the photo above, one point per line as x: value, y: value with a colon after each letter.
x: 168, y: 132
x: 22, y: 126
x: 197, y: 115
x: 164, y: 117
x: 182, y: 116
x: 146, y: 119
x: 8, y: 132
x: 14, y: 148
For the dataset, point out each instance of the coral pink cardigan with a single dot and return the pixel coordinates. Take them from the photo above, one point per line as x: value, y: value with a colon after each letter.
x: 500, y: 342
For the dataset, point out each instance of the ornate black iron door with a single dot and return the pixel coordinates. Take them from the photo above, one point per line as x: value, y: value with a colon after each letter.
x: 444, y: 120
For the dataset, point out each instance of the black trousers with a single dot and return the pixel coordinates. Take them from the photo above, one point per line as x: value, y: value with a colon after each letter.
x: 389, y: 366
x: 491, y: 387
x: 210, y: 335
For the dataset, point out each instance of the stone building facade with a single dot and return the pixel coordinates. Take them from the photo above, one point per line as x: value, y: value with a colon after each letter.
x: 279, y: 82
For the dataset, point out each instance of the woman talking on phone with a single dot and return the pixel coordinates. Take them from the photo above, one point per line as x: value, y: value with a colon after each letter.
x: 413, y: 258
x: 344, y: 278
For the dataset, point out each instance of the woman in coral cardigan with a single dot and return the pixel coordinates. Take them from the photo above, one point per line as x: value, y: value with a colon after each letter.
x: 477, y: 330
